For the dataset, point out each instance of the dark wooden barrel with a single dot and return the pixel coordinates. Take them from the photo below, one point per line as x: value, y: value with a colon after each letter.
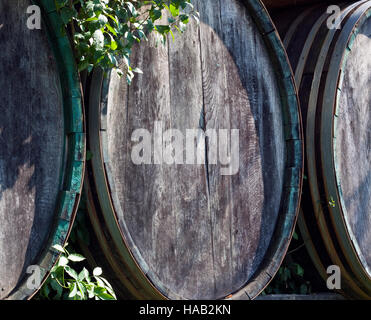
x: 42, y: 145
x: 278, y: 4
x: 186, y: 230
x: 333, y: 73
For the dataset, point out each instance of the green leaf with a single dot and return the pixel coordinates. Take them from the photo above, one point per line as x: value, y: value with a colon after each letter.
x: 162, y: 29
x: 295, y: 236
x: 137, y: 70
x: 84, y: 274
x: 97, y: 271
x: 59, y: 248
x: 299, y: 270
x: 71, y: 272
x: 73, y: 290
x: 102, y: 20
x: 55, y: 285
x: 174, y: 10
x: 76, y: 257
x: 98, y: 38
x: 67, y: 14
x: 63, y: 261
x: 102, y: 294
x: 155, y: 15
x: 90, y: 289
x: 108, y: 29
x: 184, y: 18
x: 82, y: 290
x: 114, y: 44
x: 106, y: 296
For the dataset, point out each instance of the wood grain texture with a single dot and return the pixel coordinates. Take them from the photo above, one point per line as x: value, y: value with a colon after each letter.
x: 353, y: 143
x: 196, y: 233
x: 31, y: 142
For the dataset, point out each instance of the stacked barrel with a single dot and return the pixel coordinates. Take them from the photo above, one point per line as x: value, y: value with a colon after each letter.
x: 332, y: 66
x: 262, y: 96
x: 42, y: 146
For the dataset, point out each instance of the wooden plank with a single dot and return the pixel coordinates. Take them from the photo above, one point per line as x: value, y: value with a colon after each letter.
x: 240, y: 207
x: 141, y: 209
x: 192, y: 276
x: 216, y: 116
x: 31, y: 142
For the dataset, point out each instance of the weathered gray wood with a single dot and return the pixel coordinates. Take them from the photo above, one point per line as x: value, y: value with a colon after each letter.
x: 197, y: 233
x: 31, y: 142
x: 248, y: 102
x: 353, y: 143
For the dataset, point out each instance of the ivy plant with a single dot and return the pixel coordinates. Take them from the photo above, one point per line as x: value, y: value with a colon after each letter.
x: 290, y: 278
x: 65, y: 283
x: 104, y: 31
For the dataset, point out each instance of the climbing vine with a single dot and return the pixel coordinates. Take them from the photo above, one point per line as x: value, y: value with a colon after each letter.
x: 104, y: 31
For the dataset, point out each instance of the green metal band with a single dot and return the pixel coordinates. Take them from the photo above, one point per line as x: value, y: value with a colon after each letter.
x: 73, y: 172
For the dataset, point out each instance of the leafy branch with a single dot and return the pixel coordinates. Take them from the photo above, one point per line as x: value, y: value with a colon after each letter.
x: 72, y: 285
x: 104, y: 31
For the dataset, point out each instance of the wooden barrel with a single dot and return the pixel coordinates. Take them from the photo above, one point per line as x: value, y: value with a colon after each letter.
x: 278, y: 4
x: 333, y: 73
x: 172, y: 227
x: 42, y: 145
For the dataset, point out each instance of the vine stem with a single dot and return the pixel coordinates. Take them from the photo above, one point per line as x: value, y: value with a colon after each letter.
x: 296, y: 249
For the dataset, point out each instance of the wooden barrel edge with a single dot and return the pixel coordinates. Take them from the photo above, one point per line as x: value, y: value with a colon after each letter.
x: 283, y: 4
x: 69, y: 197
x: 293, y: 172
x: 107, y: 247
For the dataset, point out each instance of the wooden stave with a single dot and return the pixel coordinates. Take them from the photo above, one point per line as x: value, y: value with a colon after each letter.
x: 74, y: 154
x: 98, y: 177
x: 357, y: 283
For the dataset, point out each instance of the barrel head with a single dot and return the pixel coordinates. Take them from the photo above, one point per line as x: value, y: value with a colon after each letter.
x: 353, y: 143
x: 200, y: 227
x: 41, y: 168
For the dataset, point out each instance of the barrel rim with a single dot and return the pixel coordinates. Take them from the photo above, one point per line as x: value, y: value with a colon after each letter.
x: 74, y: 151
x: 292, y: 186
